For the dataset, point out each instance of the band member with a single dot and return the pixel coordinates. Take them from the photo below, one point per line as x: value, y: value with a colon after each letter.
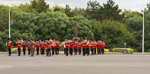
x: 84, y: 46
x: 75, y: 44
x: 92, y: 47
x: 19, y: 46
x: 49, y: 48
x: 95, y: 46
x: 9, y: 46
x: 99, y: 46
x: 57, y: 47
x: 28, y: 43
x: 63, y: 45
x: 37, y: 46
x: 103, y: 46
x: 67, y: 46
x: 24, y: 44
x: 42, y: 47
x: 71, y: 46
x: 32, y: 47
x: 53, y: 45
x: 87, y: 47
x: 79, y: 47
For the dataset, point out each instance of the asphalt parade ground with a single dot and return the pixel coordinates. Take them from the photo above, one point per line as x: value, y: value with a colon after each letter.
x: 75, y: 64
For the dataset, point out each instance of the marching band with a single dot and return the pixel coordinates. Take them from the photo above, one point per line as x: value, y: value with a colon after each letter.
x: 72, y: 46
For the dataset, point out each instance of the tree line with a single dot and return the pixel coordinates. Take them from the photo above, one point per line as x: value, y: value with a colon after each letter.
x: 39, y: 20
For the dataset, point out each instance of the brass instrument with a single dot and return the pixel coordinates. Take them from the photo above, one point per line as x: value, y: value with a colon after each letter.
x: 53, y: 43
x: 37, y: 43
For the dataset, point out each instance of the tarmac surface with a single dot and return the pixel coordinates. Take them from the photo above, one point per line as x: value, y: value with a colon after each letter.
x: 75, y: 64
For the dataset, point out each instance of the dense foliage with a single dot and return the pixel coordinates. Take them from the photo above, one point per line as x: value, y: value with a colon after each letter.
x: 40, y: 21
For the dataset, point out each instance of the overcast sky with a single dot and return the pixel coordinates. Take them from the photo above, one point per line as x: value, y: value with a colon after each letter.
x: 134, y: 5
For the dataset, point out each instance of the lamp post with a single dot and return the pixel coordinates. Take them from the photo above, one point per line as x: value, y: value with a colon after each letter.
x: 143, y: 32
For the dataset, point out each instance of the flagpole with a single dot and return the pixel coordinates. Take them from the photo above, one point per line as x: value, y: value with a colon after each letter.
x: 143, y: 33
x: 9, y: 22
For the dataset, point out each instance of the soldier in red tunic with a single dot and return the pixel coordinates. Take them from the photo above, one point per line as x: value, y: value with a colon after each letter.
x: 99, y: 46
x: 49, y: 47
x: 92, y: 46
x: 24, y: 44
x: 57, y: 47
x: 103, y: 46
x: 79, y: 47
x: 87, y: 46
x: 37, y: 46
x: 71, y: 46
x: 84, y: 42
x: 19, y: 46
x: 42, y: 47
x: 95, y: 46
x: 75, y: 44
x: 53, y: 45
x: 28, y: 43
x: 9, y: 46
x: 67, y: 46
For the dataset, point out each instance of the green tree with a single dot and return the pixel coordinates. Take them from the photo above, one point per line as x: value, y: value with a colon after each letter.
x: 39, y: 5
x: 58, y: 8
x: 67, y: 10
x: 111, y: 11
x: 130, y: 14
x: 93, y: 10
x: 114, y: 33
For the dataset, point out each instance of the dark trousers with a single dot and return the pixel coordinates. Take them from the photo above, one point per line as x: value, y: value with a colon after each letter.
x: 56, y: 51
x: 42, y: 51
x: 75, y: 50
x: 66, y: 49
x: 19, y: 52
x: 28, y: 51
x: 24, y: 51
x: 87, y: 51
x: 48, y: 52
x: 84, y: 49
x: 53, y: 51
x: 70, y: 51
x: 92, y: 51
x: 79, y: 51
x: 9, y: 50
x: 102, y: 51
x: 37, y: 51
x: 99, y: 51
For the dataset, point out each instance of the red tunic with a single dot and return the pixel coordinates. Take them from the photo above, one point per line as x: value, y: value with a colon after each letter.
x: 103, y: 45
x: 49, y: 45
x: 24, y: 46
x: 53, y: 46
x: 92, y: 45
x: 84, y: 45
x: 38, y: 46
x: 42, y: 46
x: 19, y: 45
x: 67, y: 45
x: 98, y: 44
x: 57, y: 44
x: 80, y: 45
x: 9, y: 44
x: 28, y: 46
x: 75, y: 44
x: 89, y: 43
